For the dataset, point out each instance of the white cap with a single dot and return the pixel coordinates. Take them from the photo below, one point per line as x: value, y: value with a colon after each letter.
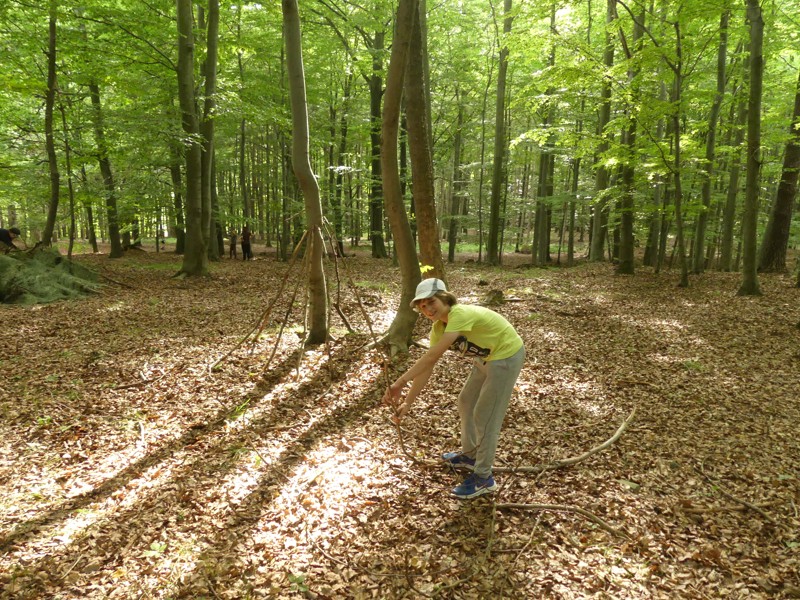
x: 427, y: 288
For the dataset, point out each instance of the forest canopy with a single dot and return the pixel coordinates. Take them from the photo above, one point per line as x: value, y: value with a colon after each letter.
x: 623, y: 123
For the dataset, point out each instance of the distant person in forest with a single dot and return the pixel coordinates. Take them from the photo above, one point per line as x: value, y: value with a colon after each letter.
x: 247, y: 254
x: 7, y: 237
x: 232, y: 252
x: 498, y: 354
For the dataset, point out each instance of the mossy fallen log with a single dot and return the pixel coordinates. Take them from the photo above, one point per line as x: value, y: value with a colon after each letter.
x: 43, y: 275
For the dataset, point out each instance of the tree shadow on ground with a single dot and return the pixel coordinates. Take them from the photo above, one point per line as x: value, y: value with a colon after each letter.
x: 195, y: 436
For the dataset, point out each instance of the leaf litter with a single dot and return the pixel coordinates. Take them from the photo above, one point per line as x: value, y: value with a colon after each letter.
x: 131, y: 469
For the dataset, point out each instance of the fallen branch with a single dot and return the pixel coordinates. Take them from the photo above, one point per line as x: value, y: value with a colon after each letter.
x: 698, y: 510
x: 560, y: 464
x: 733, y: 498
x: 566, y: 508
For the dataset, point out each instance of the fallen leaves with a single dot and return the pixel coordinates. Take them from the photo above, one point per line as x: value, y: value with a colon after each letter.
x: 130, y: 468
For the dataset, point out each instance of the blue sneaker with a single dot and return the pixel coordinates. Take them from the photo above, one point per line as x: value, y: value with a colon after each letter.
x: 474, y: 486
x: 457, y: 460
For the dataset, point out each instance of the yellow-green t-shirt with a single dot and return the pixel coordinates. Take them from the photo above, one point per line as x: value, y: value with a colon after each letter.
x: 488, y: 334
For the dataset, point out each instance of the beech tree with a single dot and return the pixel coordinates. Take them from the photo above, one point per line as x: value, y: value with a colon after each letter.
x: 498, y: 171
x: 776, y: 235
x: 195, y: 258
x: 750, y: 285
x: 317, y: 293
x: 419, y: 141
x: 50, y: 102
x: 399, y: 335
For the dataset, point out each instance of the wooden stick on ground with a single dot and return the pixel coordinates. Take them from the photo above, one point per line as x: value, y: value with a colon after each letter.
x: 566, y: 462
x: 733, y: 498
x: 565, y: 508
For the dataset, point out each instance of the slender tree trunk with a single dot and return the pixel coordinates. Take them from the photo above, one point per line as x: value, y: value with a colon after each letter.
x: 195, y: 259
x: 208, y: 220
x: 339, y: 182
x: 50, y: 144
x: 177, y: 195
x: 750, y: 285
x: 602, y: 177
x: 458, y: 184
x: 677, y: 97
x: 627, y: 205
x: 301, y: 162
x: 776, y: 236
x: 702, y: 219
x: 399, y: 334
x: 375, y: 200
x: 90, y: 226
x: 729, y: 211
x: 419, y: 137
x: 70, y: 187
x: 498, y: 171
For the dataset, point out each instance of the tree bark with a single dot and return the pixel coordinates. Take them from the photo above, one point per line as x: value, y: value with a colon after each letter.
x: 702, y: 219
x: 677, y: 97
x: 750, y: 285
x: 458, y: 183
x: 776, y: 236
x: 195, y: 259
x: 177, y: 194
x: 419, y: 137
x: 301, y: 163
x: 50, y: 144
x: 729, y: 210
x: 399, y: 334
x: 208, y: 222
x: 498, y: 171
x: 627, y: 205
x: 375, y: 200
x: 602, y: 176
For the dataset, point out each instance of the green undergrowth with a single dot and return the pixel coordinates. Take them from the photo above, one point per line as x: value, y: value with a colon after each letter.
x: 42, y: 276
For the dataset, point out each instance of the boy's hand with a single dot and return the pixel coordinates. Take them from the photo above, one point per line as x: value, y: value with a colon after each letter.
x: 393, y: 393
x: 400, y: 412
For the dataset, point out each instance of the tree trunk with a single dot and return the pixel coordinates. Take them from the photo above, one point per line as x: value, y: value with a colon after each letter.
x: 339, y: 181
x: 750, y: 286
x: 627, y: 243
x: 458, y: 183
x: 602, y: 177
x: 729, y: 211
x: 50, y: 144
x: 498, y: 171
x: 776, y: 236
x: 177, y: 194
x: 419, y: 136
x: 702, y: 219
x: 399, y: 334
x: 677, y: 96
x: 195, y: 259
x: 317, y: 293
x: 209, y: 223
x: 375, y: 200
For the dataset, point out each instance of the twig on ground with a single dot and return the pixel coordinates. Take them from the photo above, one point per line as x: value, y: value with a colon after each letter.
x: 697, y: 510
x: 559, y: 464
x: 566, y: 508
x: 733, y: 498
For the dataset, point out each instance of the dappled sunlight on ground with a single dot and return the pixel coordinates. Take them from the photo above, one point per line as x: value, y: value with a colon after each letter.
x: 132, y: 468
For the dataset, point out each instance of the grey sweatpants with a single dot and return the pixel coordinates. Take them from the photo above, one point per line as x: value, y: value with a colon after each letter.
x: 482, y: 405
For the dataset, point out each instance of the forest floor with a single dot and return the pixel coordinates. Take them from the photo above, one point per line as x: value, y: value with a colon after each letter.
x: 130, y: 468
